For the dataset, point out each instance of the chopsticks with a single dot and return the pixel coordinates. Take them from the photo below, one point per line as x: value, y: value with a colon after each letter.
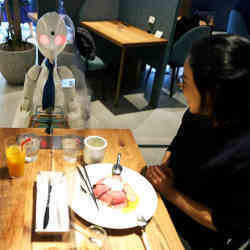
x: 87, y: 184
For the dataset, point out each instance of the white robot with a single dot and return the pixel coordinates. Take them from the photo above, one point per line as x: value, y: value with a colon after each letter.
x: 48, y: 85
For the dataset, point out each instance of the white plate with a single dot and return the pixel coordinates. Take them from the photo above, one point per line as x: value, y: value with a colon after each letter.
x: 107, y: 217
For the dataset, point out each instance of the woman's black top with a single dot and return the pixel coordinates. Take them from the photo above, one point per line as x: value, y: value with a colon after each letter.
x: 211, y: 165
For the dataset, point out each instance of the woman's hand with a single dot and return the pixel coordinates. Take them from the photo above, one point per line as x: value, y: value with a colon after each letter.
x: 162, y: 179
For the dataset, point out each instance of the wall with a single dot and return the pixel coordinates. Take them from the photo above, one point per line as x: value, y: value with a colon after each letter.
x: 46, y: 5
x: 101, y: 9
x: 73, y: 9
x: 93, y: 10
x: 136, y: 12
x: 185, y: 8
x: 222, y: 8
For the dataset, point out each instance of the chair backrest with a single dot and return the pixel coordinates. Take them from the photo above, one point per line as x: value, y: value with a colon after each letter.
x: 236, y: 24
x: 182, y: 46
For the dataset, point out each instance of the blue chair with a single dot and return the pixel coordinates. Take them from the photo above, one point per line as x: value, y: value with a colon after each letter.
x: 181, y: 49
x: 93, y: 64
x: 236, y: 24
x: 89, y: 62
x: 94, y: 68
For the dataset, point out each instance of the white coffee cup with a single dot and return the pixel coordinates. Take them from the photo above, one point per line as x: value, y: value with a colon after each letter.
x: 94, y: 149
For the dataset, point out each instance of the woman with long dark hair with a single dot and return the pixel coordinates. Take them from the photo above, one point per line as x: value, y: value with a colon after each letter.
x: 205, y: 173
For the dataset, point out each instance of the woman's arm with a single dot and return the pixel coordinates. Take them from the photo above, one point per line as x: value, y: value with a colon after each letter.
x: 163, y: 181
x: 195, y: 210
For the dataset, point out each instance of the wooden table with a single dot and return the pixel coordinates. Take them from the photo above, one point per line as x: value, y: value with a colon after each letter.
x: 17, y: 197
x: 124, y: 36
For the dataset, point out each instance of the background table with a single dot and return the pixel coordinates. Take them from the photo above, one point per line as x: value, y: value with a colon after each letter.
x: 124, y: 36
x: 17, y: 197
x: 33, y: 16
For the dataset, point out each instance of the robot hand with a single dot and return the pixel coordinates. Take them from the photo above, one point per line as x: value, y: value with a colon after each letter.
x: 26, y: 105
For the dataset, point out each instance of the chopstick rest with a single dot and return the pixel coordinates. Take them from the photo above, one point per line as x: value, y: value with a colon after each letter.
x: 58, y: 220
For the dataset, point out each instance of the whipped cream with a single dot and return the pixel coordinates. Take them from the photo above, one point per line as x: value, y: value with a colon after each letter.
x: 115, y: 185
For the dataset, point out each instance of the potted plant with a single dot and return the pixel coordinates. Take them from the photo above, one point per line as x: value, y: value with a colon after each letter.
x: 16, y: 55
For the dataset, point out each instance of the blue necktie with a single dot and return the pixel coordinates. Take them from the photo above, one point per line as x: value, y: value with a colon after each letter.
x: 48, y: 100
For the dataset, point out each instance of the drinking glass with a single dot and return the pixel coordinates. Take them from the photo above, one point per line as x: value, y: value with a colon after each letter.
x: 15, y: 156
x: 92, y: 238
x: 97, y: 238
x: 94, y: 149
x: 71, y: 147
x: 31, y: 144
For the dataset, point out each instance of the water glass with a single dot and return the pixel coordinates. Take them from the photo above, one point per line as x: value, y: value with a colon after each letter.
x: 97, y: 238
x: 71, y: 145
x: 92, y: 238
x: 94, y: 149
x: 31, y: 144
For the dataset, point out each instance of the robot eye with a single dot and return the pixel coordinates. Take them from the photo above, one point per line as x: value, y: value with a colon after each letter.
x: 52, y: 33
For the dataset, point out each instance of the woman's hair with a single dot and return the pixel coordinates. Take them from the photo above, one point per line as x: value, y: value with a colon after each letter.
x: 221, y: 70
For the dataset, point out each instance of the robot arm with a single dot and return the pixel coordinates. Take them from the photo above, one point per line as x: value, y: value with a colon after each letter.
x: 29, y: 87
x: 69, y: 93
x: 71, y: 106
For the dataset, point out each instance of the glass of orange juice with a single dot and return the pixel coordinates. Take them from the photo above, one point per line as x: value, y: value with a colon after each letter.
x: 15, y: 157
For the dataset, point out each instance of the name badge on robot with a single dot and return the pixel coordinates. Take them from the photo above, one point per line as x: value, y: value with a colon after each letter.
x: 68, y: 83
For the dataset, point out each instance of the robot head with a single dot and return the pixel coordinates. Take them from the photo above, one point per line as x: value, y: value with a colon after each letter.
x: 51, y: 35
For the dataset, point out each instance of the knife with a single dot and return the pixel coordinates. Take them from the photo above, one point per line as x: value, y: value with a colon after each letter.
x: 46, y: 215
